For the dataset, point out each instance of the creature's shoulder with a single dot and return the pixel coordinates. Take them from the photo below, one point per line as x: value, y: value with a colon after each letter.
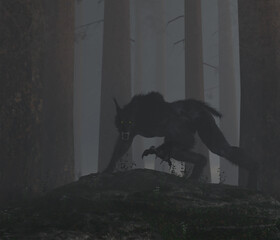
x: 155, y: 96
x: 150, y: 97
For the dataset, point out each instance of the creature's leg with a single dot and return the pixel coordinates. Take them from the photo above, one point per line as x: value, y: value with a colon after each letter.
x: 214, y: 139
x: 210, y: 133
x: 168, y: 150
x: 120, y: 149
x: 185, y: 155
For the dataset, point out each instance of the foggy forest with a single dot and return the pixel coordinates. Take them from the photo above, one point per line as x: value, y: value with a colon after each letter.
x: 140, y: 119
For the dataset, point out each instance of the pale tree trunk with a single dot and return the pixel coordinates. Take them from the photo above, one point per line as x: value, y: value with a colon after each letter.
x: 150, y: 61
x: 259, y: 24
x: 77, y: 98
x: 160, y: 51
x: 160, y: 39
x: 77, y: 113
x: 87, y: 84
x: 115, y: 75
x: 227, y: 85
x: 194, y: 64
x: 138, y: 145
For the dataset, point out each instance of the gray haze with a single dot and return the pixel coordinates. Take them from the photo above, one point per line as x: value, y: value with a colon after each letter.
x: 211, y: 75
x: 87, y: 84
x: 88, y: 58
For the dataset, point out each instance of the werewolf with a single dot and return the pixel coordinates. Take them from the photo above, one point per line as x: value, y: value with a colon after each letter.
x: 151, y: 116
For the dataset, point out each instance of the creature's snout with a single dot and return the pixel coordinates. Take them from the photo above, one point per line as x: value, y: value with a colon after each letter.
x: 125, y: 136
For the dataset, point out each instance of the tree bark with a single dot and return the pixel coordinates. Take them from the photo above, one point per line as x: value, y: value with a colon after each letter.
x: 194, y: 63
x: 259, y: 23
x: 115, y: 75
x: 36, y: 99
x: 58, y: 77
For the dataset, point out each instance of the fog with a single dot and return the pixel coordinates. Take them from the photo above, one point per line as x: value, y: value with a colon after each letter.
x: 77, y: 80
x: 144, y: 76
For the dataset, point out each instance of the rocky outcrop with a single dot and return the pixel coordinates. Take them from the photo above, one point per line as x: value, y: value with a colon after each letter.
x: 143, y: 204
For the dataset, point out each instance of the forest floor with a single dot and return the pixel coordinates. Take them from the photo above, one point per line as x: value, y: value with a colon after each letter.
x: 143, y: 204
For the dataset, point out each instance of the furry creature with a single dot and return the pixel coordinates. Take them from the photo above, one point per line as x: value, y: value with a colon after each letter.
x: 151, y: 116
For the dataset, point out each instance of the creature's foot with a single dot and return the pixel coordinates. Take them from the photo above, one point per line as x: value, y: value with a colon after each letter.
x: 198, y: 167
x: 108, y: 170
x: 168, y: 161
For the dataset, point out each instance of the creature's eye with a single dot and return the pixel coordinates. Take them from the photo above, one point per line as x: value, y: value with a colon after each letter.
x: 129, y: 122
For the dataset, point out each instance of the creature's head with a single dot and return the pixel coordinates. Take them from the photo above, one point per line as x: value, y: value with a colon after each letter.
x: 124, y: 122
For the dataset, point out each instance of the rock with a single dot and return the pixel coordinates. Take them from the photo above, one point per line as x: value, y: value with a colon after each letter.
x: 143, y: 204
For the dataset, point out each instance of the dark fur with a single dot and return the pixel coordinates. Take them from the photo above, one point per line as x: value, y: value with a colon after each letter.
x: 150, y: 116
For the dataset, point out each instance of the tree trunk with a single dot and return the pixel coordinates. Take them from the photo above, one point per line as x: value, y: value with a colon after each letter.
x: 115, y: 75
x: 194, y: 63
x: 36, y: 111
x: 150, y: 61
x: 138, y: 143
x: 87, y: 84
x: 58, y: 75
x: 158, y: 8
x: 227, y: 80
x: 259, y: 23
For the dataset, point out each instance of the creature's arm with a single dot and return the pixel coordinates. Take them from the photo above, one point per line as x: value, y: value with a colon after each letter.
x: 120, y: 149
x: 164, y: 152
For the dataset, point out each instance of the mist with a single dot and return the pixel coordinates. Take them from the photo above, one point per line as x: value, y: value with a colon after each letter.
x: 139, y: 119
x: 149, y: 71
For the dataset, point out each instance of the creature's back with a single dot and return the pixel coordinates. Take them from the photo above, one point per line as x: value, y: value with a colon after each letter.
x: 148, y: 110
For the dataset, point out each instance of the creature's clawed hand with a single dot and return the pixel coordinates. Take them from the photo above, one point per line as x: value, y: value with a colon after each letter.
x: 151, y: 150
x: 165, y: 157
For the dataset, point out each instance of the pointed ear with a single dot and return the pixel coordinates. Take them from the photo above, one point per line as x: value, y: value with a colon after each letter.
x: 117, y: 106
